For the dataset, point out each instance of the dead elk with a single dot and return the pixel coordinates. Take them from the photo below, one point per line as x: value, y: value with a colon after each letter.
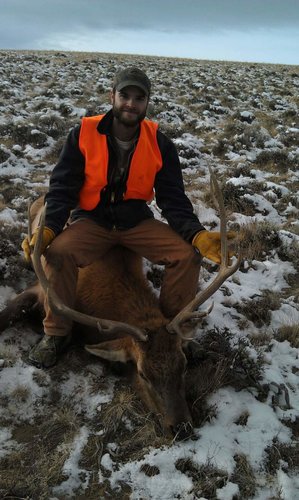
x: 109, y: 292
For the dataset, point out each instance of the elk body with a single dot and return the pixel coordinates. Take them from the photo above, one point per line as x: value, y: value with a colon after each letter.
x: 122, y: 319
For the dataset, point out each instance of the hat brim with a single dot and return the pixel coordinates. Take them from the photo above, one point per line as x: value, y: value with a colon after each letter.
x: 132, y: 83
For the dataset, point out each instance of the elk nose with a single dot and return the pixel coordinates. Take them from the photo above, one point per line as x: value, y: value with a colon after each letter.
x: 182, y: 431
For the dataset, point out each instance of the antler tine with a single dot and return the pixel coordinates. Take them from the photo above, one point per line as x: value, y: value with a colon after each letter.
x: 221, y: 207
x: 215, y: 201
x: 29, y: 232
x: 36, y: 255
x: 114, y: 328
x: 224, y: 270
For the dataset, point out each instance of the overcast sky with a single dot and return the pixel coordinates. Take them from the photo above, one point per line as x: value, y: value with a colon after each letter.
x: 238, y: 30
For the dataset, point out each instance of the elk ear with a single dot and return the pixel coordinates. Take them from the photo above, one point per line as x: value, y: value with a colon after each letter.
x: 113, y: 350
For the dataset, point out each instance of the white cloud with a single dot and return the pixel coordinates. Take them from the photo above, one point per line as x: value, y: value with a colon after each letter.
x: 272, y: 46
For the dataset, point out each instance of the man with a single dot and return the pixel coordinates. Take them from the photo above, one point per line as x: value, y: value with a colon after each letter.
x: 110, y: 168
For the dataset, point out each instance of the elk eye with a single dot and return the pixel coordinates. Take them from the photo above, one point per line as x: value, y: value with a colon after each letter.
x: 143, y: 376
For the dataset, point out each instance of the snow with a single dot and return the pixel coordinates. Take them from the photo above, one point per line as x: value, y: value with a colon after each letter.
x: 20, y: 376
x: 288, y: 485
x: 8, y: 216
x: 71, y: 467
x: 6, y: 443
x: 76, y: 387
x: 230, y: 490
x: 168, y: 482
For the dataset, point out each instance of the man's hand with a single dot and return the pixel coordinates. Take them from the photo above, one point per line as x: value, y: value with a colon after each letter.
x: 28, y: 246
x: 209, y: 244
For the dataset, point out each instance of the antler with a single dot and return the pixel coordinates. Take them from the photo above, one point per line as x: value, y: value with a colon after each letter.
x: 114, y: 328
x: 225, y: 270
x: 29, y: 232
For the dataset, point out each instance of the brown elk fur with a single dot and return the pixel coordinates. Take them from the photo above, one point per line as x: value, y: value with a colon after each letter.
x: 125, y: 294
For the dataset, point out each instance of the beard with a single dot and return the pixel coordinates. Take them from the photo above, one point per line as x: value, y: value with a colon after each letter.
x: 129, y: 120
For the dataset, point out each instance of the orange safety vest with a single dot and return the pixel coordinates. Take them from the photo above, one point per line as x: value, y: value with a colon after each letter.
x: 146, y: 162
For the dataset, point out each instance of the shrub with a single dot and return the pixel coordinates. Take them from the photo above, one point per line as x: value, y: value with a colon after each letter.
x: 258, y: 239
x: 282, y: 455
x: 234, y: 199
x: 206, y: 479
x: 289, y: 333
x: 4, y: 155
x: 258, y: 310
x: 52, y: 125
x: 275, y: 159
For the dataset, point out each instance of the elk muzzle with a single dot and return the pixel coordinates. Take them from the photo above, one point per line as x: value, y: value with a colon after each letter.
x: 182, y: 431
x: 178, y: 418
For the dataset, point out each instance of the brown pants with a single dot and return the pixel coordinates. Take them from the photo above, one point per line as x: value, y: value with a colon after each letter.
x: 84, y: 241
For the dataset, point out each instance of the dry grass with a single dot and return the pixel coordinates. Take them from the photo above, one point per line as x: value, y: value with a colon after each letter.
x: 20, y: 394
x: 261, y: 339
x: 275, y: 161
x: 135, y: 428
x: 8, y: 354
x: 282, y: 455
x: 289, y: 333
x: 268, y: 121
x: 244, y: 476
x: 39, y: 459
x: 258, y: 310
x: 206, y: 478
x: 258, y: 239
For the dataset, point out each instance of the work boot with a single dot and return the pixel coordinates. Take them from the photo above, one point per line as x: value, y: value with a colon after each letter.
x: 46, y: 352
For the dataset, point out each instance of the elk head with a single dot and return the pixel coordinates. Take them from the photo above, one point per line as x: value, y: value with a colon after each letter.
x: 160, y: 374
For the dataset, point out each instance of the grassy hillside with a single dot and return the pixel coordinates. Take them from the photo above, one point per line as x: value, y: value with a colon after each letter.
x: 78, y: 430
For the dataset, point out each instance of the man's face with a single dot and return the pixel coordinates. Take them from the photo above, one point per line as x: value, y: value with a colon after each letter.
x: 129, y: 105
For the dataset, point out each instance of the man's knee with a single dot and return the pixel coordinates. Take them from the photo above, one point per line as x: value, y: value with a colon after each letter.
x: 58, y: 251
x: 188, y: 256
x: 196, y: 258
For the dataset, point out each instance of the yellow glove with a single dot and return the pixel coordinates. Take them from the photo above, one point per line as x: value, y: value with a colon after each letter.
x: 27, y: 246
x: 209, y: 244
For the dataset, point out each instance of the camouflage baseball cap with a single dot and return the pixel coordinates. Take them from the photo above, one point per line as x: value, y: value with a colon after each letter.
x: 132, y: 76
